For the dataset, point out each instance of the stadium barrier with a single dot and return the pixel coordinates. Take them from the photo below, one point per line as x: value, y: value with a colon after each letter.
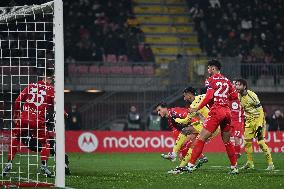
x: 139, y: 141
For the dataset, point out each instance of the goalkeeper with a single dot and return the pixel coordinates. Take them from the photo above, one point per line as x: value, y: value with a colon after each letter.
x: 36, y: 99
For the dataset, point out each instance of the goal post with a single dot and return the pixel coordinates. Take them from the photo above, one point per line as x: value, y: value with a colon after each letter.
x: 59, y: 93
x: 31, y: 42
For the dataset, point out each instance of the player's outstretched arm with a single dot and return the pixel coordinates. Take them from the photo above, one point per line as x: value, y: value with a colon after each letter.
x: 208, y: 97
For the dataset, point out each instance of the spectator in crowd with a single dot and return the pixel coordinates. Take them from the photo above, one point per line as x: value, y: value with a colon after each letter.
x: 73, y: 119
x: 133, y: 119
x: 276, y: 122
x: 154, y: 121
x: 103, y: 29
x: 240, y: 27
x: 146, y: 52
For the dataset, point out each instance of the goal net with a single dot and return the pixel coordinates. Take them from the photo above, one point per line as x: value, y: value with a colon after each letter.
x: 31, y: 45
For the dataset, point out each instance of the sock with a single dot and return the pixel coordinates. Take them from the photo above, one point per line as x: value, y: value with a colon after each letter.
x: 179, y: 142
x: 266, y: 151
x: 66, y: 159
x: 231, y: 153
x: 249, y: 151
x: 186, y: 158
x: 43, y: 163
x: 184, y: 149
x: 196, y: 151
x: 237, y: 149
x: 13, y: 149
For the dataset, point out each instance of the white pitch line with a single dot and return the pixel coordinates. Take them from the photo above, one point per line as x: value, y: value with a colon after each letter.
x: 220, y: 166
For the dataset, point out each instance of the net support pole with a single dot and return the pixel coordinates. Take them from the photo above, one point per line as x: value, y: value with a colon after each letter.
x: 59, y: 94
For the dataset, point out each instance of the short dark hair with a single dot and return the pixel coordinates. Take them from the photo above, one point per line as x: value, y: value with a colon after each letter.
x: 243, y: 82
x: 190, y: 90
x: 215, y: 62
x: 162, y: 104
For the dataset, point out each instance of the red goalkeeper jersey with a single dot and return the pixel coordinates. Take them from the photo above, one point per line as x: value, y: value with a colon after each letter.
x: 36, y: 99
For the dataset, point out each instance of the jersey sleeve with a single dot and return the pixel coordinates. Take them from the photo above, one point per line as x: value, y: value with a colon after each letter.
x: 208, y: 97
x: 178, y: 112
x: 195, y: 104
x: 209, y: 93
x: 254, y: 99
x: 21, y: 98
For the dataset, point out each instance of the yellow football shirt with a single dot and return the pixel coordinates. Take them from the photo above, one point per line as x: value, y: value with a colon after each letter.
x: 203, y: 111
x: 251, y: 105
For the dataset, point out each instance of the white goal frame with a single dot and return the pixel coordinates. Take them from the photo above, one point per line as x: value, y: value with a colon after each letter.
x: 19, y: 12
x: 59, y: 93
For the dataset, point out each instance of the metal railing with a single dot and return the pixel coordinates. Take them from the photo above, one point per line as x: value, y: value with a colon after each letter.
x: 104, y: 110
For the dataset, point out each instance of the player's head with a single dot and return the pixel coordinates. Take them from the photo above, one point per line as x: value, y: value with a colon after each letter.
x: 241, y: 85
x: 162, y: 109
x: 214, y: 66
x: 189, y: 94
x: 234, y: 83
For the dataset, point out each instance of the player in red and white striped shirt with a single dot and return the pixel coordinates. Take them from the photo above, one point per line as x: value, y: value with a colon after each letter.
x: 237, y: 124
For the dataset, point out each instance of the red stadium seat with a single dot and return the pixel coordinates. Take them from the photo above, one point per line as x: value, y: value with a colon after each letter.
x: 83, y: 69
x: 72, y: 69
x: 94, y: 69
x: 111, y: 58
x: 122, y: 58
x: 115, y: 69
x: 104, y: 69
x: 126, y: 70
x: 149, y: 70
x: 138, y: 70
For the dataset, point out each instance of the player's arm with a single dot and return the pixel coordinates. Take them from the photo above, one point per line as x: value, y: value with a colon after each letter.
x: 208, y: 97
x: 182, y: 118
x: 233, y: 94
x: 254, y: 99
x: 183, y: 121
x: 190, y: 116
x: 17, y: 106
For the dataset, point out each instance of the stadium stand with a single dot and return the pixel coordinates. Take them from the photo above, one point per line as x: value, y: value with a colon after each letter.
x: 250, y: 29
x: 167, y: 27
x: 103, y: 31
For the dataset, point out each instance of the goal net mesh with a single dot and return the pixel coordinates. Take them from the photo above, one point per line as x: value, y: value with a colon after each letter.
x: 26, y: 52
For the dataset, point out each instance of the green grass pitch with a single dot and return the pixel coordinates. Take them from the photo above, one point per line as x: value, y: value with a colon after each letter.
x: 149, y: 170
